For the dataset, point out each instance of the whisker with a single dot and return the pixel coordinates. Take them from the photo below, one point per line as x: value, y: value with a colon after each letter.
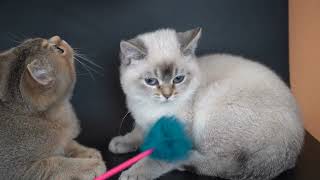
x: 82, y: 74
x: 86, y: 67
x: 15, y: 38
x: 122, y: 120
x: 85, y: 58
x: 92, y: 69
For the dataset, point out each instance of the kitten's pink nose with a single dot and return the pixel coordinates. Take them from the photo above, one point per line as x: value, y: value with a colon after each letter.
x: 55, y: 39
x: 167, y: 91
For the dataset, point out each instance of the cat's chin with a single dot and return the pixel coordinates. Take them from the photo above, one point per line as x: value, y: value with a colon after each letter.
x: 165, y: 101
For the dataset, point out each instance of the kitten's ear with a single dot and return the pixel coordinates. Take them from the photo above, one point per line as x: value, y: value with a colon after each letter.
x: 40, y: 73
x: 131, y: 50
x: 189, y: 40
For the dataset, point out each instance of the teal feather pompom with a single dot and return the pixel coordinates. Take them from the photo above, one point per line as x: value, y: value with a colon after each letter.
x: 169, y: 140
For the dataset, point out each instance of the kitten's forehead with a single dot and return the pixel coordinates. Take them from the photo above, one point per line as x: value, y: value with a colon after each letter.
x: 161, y: 44
x: 166, y: 71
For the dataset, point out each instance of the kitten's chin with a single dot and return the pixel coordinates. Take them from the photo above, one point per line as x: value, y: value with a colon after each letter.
x: 164, y: 100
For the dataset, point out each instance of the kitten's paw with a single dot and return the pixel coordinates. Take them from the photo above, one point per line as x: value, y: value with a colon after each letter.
x: 120, y: 145
x: 127, y: 175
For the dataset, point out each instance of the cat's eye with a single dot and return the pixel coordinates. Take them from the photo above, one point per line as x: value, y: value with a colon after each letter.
x: 151, y: 81
x: 178, y: 79
x: 59, y: 49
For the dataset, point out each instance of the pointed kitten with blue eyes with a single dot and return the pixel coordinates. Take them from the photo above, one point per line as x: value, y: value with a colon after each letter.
x: 243, y: 120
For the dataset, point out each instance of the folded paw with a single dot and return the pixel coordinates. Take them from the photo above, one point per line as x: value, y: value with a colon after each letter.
x: 90, y: 153
x: 120, y: 145
x: 134, y: 176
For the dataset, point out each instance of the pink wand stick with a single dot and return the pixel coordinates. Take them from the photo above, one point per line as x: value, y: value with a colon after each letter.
x: 124, y: 165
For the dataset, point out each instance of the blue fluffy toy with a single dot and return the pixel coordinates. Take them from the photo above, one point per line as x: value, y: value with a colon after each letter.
x: 169, y: 140
x: 166, y: 140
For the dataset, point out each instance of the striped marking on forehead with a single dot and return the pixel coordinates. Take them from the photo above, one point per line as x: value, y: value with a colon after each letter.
x: 166, y: 71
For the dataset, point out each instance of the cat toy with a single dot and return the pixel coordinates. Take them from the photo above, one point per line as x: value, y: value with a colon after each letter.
x: 166, y: 140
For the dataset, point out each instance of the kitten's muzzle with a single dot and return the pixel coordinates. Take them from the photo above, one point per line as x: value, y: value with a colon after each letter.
x: 166, y: 91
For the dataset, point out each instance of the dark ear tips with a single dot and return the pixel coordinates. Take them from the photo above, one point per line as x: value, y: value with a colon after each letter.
x: 189, y: 39
x: 123, y: 45
x: 198, y: 30
x: 133, y: 49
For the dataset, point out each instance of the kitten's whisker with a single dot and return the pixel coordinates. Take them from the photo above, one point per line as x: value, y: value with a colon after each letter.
x: 122, y: 120
x: 86, y: 67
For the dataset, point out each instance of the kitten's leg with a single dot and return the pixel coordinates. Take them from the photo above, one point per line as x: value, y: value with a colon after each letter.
x: 63, y: 168
x: 74, y: 149
x: 214, y: 165
x: 127, y: 143
x: 148, y: 169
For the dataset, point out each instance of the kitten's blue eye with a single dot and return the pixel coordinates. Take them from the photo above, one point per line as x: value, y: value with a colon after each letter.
x: 178, y: 79
x: 151, y: 81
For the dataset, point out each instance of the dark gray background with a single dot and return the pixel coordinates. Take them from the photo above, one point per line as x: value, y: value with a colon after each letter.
x: 254, y: 29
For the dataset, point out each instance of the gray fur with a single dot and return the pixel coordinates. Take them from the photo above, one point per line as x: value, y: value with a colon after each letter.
x: 131, y: 50
x: 37, y: 122
x: 243, y: 119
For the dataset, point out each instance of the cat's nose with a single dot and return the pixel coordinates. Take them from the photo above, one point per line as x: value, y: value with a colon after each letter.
x: 55, y: 40
x: 166, y: 91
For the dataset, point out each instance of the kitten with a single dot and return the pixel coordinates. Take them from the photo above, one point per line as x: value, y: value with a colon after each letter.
x: 242, y: 118
x: 37, y: 122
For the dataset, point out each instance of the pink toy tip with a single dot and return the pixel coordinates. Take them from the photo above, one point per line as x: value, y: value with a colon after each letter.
x: 124, y: 165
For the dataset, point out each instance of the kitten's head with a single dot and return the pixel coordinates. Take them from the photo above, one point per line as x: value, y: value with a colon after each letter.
x: 40, y: 72
x: 160, y: 66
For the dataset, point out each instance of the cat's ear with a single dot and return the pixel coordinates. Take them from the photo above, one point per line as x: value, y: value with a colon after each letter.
x: 188, y: 40
x: 132, y: 50
x: 41, y: 73
x: 5, y: 58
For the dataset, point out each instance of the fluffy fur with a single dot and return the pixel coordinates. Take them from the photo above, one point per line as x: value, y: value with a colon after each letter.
x: 37, y: 122
x: 169, y: 140
x: 242, y: 118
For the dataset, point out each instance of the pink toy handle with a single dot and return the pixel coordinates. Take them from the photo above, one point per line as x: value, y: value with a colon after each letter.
x: 124, y: 165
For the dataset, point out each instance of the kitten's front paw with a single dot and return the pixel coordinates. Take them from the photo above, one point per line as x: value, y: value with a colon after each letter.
x: 120, y: 145
x: 127, y: 175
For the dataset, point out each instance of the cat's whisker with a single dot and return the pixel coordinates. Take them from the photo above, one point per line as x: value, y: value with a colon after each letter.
x: 85, y: 58
x: 82, y: 74
x: 76, y: 49
x: 15, y: 38
x: 86, y: 67
x: 94, y: 70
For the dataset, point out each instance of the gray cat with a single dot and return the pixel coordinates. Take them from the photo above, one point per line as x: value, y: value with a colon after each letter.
x: 37, y: 121
x: 242, y: 118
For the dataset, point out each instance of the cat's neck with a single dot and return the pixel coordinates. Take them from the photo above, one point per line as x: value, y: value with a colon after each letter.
x: 20, y: 107
x: 146, y: 113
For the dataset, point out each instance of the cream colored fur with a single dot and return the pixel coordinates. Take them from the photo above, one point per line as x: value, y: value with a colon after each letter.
x: 243, y: 119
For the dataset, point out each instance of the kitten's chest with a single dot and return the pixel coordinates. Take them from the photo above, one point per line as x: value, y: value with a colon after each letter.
x: 145, y: 116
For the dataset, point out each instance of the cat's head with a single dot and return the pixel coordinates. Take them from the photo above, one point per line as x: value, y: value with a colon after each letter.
x: 39, y: 72
x: 160, y: 66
